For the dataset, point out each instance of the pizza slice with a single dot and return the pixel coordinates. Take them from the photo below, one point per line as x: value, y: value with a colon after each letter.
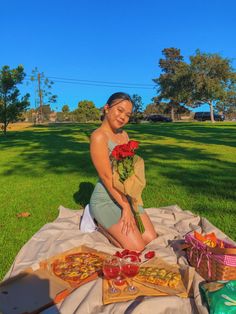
x: 76, y: 268
x: 158, y: 276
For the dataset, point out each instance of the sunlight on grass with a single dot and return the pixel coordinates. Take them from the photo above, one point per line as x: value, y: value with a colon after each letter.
x: 188, y: 164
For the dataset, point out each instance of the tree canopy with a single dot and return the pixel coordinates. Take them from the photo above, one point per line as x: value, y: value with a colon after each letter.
x: 11, y: 107
x: 151, y: 109
x: 170, y: 83
x: 137, y: 107
x: 206, y: 79
x: 212, y: 81
x: 86, y: 111
x: 65, y: 109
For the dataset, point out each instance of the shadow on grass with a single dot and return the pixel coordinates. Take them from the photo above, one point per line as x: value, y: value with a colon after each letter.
x: 206, y: 133
x: 200, y: 173
x: 82, y: 196
x: 65, y: 149
x: 54, y: 149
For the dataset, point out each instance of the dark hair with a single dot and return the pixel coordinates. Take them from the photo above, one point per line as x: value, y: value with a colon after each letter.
x: 117, y: 96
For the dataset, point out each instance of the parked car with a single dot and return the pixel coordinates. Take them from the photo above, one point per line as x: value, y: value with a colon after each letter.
x: 204, y: 116
x: 158, y: 118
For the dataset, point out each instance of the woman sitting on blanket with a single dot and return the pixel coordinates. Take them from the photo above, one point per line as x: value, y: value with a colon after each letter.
x: 109, y: 207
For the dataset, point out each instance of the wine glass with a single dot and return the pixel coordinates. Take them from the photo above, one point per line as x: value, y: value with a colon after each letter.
x: 112, y: 269
x: 120, y: 280
x: 130, y: 268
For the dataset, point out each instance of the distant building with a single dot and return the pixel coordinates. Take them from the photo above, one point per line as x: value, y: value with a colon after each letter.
x: 53, y: 116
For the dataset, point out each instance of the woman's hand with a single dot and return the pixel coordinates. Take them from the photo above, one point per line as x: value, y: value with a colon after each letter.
x: 127, y: 220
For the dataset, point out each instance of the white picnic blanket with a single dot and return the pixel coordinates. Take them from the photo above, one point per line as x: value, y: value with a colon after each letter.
x: 63, y: 234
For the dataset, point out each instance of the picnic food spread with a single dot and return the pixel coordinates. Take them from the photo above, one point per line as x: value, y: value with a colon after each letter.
x: 213, y: 258
x: 77, y: 267
x: 148, y: 255
x: 209, y: 239
x: 159, y: 276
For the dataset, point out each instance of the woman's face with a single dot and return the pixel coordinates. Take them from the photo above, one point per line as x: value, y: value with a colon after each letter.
x: 118, y: 114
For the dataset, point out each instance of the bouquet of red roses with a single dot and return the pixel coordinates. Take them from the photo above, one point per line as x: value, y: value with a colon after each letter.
x: 129, y: 176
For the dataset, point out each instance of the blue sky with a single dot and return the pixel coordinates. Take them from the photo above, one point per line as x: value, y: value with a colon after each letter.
x: 97, y: 41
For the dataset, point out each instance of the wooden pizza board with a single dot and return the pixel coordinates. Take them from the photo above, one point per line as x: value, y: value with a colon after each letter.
x: 147, y: 289
x: 37, y: 288
x: 180, y: 289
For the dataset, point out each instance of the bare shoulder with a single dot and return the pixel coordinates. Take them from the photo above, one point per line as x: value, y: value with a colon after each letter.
x: 98, y: 136
x: 125, y: 134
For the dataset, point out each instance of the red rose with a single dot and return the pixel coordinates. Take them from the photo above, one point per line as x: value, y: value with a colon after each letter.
x: 125, y: 154
x: 118, y: 254
x: 125, y: 147
x: 133, y: 145
x: 123, y: 161
x: 125, y: 252
x: 136, y: 254
x: 116, y: 153
x: 149, y: 255
x: 124, y: 150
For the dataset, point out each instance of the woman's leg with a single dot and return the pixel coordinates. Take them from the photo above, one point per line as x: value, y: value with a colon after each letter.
x: 132, y: 241
x: 149, y: 233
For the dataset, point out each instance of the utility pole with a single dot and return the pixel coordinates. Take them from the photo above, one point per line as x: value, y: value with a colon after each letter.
x: 43, y: 91
x: 40, y: 100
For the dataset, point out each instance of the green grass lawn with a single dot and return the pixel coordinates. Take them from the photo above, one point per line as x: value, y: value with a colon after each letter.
x: 189, y: 164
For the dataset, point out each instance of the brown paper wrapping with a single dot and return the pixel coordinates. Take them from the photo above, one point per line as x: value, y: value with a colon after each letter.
x: 134, y: 185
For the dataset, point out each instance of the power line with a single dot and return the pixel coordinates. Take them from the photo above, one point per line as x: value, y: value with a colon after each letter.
x: 101, y: 83
x: 104, y: 82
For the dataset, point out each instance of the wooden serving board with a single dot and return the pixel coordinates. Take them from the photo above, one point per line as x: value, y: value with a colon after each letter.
x: 37, y: 288
x: 47, y: 263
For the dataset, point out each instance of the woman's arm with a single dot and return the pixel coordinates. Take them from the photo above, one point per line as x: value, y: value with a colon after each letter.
x: 100, y: 158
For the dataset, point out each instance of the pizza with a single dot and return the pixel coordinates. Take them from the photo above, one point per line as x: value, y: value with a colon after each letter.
x: 158, y: 276
x: 75, y: 268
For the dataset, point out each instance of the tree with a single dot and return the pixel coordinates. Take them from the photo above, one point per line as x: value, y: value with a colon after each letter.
x: 65, y: 109
x: 151, y: 109
x: 227, y: 106
x: 29, y: 115
x: 137, y: 107
x: 44, y: 86
x: 166, y: 107
x: 157, y: 107
x: 86, y: 111
x: 170, y: 83
x: 60, y: 117
x: 11, y: 107
x: 163, y: 108
x: 212, y: 82
x: 65, y: 112
x: 207, y: 79
x: 46, y: 110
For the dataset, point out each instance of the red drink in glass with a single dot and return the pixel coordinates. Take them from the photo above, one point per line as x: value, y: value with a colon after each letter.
x: 120, y: 280
x: 130, y: 270
x: 110, y: 271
